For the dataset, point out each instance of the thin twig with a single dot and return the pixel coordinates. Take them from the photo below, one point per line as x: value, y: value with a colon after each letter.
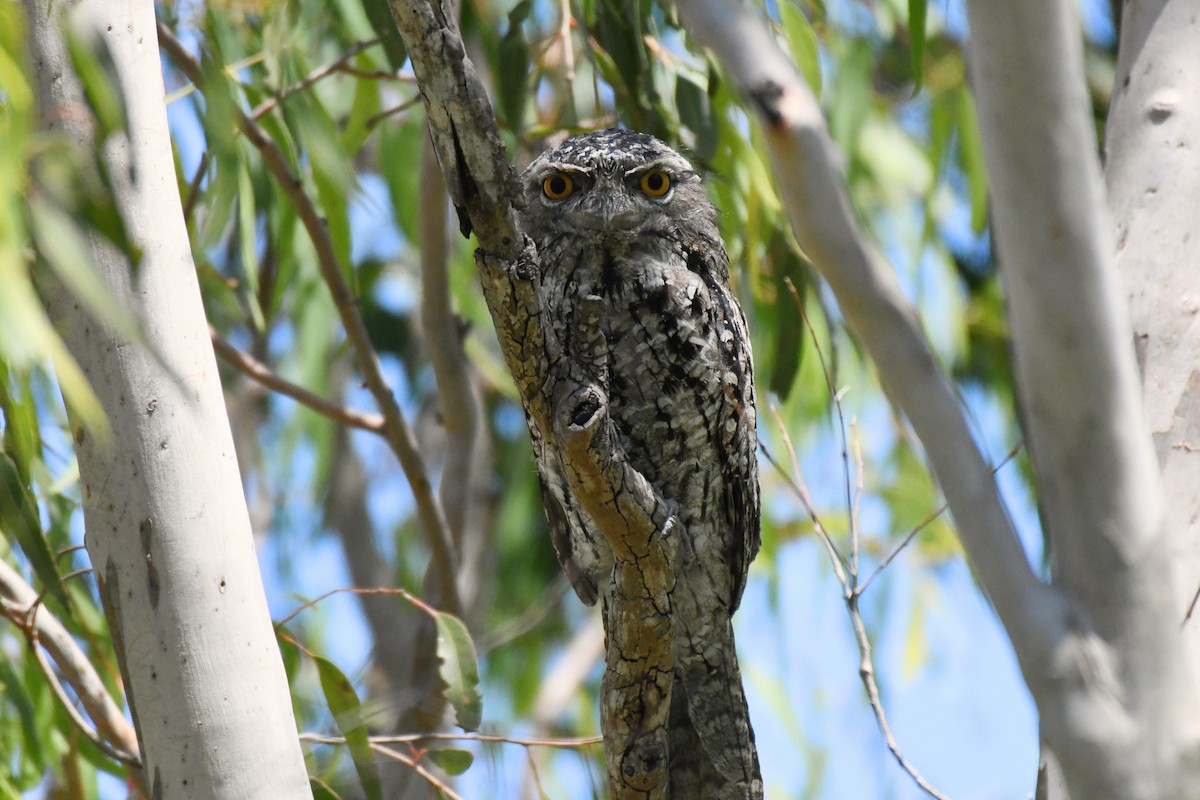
x: 395, y: 428
x: 25, y: 618
x: 533, y: 770
x: 796, y: 484
x: 76, y: 573
x: 266, y: 106
x: 418, y: 768
x: 194, y: 187
x: 858, y: 493
x: 866, y: 671
x: 66, y: 551
x: 836, y: 395
x: 252, y: 367
x: 568, y: 48
x: 387, y: 113
x: 384, y: 590
x: 17, y: 603
x: 527, y: 620
x: 1191, y: 607
x: 444, y: 344
x: 402, y: 738
x: 920, y: 526
x: 375, y: 74
x: 849, y: 582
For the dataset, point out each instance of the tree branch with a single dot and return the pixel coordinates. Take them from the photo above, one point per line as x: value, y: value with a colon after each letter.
x: 252, y: 367
x: 1099, y: 491
x: 443, y: 340
x: 337, y: 65
x: 396, y: 430
x: 19, y: 600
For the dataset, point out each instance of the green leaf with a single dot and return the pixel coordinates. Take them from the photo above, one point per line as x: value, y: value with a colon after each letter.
x: 512, y: 78
x: 802, y: 40
x: 851, y: 94
x: 397, y: 145
x: 65, y: 249
x: 695, y: 111
x: 16, y: 695
x: 21, y: 434
x: 916, y: 39
x: 362, y: 109
x: 459, y: 670
x: 291, y: 655
x: 19, y: 519
x: 941, y: 127
x: 971, y: 148
x: 7, y: 790
x: 790, y: 331
x: 248, y: 244
x: 321, y: 790
x: 454, y: 761
x: 385, y: 28
x: 347, y: 713
x: 97, y: 73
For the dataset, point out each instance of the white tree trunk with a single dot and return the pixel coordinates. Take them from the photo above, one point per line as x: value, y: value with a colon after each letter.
x: 167, y: 527
x: 1153, y: 171
x: 1117, y: 707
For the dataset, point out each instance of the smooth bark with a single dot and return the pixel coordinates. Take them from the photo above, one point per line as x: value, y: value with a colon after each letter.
x: 1153, y: 170
x: 1117, y: 708
x: 167, y: 527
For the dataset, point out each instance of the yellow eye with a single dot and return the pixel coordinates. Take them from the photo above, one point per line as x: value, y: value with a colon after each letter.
x: 558, y: 186
x: 655, y: 183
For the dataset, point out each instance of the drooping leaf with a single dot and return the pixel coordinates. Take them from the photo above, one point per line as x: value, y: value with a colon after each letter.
x: 971, y: 148
x: 452, y: 760
x: 321, y: 790
x: 916, y: 39
x: 790, y: 331
x: 97, y: 73
x: 459, y: 670
x: 512, y: 79
x: 19, y: 520
x: 62, y: 244
x: 17, y: 696
x: 21, y: 434
x: 802, y: 40
x: 248, y: 244
x: 695, y: 111
x: 348, y: 714
x: 381, y: 20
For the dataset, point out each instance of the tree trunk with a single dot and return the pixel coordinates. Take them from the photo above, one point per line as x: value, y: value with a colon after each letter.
x: 1153, y: 172
x: 167, y: 528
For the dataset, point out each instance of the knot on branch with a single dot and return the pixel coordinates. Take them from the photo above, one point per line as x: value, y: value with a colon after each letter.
x: 584, y: 408
x: 644, y: 765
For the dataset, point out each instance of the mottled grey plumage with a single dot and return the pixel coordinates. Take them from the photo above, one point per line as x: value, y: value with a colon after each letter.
x: 679, y: 382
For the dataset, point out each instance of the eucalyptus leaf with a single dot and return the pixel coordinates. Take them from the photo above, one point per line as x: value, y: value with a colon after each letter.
x: 348, y: 715
x: 20, y: 523
x: 452, y: 760
x: 459, y: 670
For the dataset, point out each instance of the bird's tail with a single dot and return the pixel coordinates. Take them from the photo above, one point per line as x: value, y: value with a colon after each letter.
x: 712, y: 750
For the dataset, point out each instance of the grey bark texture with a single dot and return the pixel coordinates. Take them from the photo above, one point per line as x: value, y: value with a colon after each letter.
x: 167, y: 528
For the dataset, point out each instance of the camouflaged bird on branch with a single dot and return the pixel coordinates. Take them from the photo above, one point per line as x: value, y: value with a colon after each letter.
x: 632, y: 357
